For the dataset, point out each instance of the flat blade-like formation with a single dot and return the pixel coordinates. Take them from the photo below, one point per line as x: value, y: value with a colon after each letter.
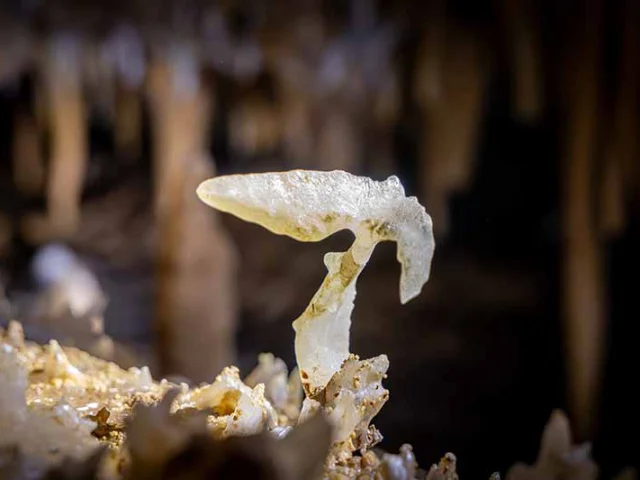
x: 309, y: 206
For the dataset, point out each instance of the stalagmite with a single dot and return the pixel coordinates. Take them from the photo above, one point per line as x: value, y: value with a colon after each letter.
x: 205, y: 298
x: 584, y: 309
x: 612, y: 214
x: 195, y: 296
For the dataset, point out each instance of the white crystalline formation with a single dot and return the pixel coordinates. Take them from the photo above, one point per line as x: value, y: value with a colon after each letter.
x: 56, y: 402
x: 51, y: 398
x: 310, y: 206
x: 41, y: 432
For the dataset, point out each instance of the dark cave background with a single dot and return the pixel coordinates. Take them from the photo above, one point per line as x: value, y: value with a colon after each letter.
x: 477, y: 360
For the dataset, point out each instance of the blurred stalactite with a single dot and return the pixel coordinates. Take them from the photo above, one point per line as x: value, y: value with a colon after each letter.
x: 584, y: 295
x: 67, y: 117
x: 521, y: 25
x: 128, y: 123
x: 619, y: 163
x: 452, y: 105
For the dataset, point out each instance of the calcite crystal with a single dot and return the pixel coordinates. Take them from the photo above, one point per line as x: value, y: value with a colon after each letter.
x: 60, y: 408
x: 50, y: 396
x: 309, y: 206
x: 58, y: 403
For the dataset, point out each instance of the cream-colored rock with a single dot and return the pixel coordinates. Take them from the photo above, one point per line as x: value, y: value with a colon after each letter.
x: 353, y: 397
x: 237, y: 409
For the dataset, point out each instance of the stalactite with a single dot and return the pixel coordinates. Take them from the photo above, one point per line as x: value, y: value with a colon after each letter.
x: 297, y: 129
x: 124, y: 52
x: 451, y: 126
x: 621, y: 149
x: 467, y: 66
x: 194, y: 300
x: 98, y: 81
x: 386, y: 113
x: 612, y: 214
x: 584, y: 304
x: 338, y: 143
x: 429, y: 75
x: 128, y: 123
x: 254, y: 126
x: 380, y: 74
x: 292, y: 52
x: 522, y: 41
x: 175, y: 122
x: 428, y: 87
x: 377, y: 78
x: 69, y: 142
x: 172, y: 106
